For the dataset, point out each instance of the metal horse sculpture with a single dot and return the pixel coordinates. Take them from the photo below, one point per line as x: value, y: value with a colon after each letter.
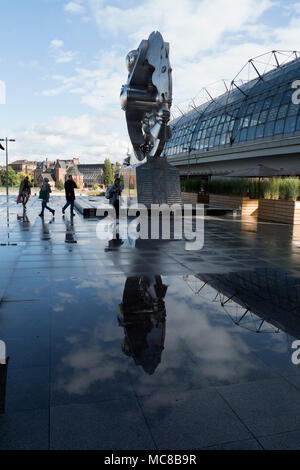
x: 147, y: 96
x: 147, y: 100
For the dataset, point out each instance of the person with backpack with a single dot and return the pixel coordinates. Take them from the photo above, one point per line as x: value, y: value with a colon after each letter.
x: 114, y: 193
x: 45, y: 196
x: 70, y: 186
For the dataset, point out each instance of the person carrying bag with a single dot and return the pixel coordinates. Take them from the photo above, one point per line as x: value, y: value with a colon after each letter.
x: 45, y: 196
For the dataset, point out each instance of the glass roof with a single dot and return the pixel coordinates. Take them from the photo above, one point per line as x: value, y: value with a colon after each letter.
x: 261, y: 108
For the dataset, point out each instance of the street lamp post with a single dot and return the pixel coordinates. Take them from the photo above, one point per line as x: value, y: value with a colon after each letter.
x: 6, y: 140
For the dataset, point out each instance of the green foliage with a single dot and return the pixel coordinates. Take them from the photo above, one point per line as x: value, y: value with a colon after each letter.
x: 108, y: 172
x: 22, y: 175
x: 234, y: 187
x: 60, y: 185
x: 272, y: 188
x: 13, y: 178
x: 194, y: 185
x: 289, y: 188
x: 254, y: 189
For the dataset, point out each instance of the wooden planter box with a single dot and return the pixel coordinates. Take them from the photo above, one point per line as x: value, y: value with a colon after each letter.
x: 246, y: 205
x: 195, y: 197
x: 287, y: 212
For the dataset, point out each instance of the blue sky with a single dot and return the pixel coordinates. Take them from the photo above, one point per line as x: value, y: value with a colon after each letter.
x: 63, y: 63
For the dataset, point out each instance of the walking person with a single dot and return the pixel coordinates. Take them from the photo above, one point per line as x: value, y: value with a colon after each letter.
x: 45, y: 196
x: 116, y: 190
x: 24, y: 191
x: 70, y: 187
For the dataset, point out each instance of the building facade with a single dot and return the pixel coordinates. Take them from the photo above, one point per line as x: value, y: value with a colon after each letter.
x: 23, y: 166
x: 92, y: 174
x: 85, y: 175
x: 255, y: 122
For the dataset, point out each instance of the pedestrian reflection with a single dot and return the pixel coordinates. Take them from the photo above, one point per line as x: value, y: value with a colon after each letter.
x: 45, y: 233
x: 142, y: 314
x: 25, y: 222
x: 70, y: 231
x: 115, y: 243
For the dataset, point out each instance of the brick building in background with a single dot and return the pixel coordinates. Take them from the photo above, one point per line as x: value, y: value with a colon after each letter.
x: 85, y: 175
x: 24, y: 166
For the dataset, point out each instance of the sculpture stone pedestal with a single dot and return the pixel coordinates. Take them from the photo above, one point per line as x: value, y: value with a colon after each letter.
x: 153, y: 182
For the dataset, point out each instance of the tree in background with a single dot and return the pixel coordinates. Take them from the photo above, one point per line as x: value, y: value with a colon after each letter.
x: 118, y: 165
x: 60, y: 185
x: 13, y: 178
x: 22, y: 175
x: 108, y: 173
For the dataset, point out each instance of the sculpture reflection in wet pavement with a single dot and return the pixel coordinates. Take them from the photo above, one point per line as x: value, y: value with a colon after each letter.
x: 142, y: 314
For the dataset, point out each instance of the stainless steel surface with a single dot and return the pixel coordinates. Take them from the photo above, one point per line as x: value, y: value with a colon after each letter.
x: 147, y: 100
x: 147, y: 96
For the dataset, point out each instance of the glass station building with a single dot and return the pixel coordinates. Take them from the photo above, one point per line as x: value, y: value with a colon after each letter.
x: 254, y: 122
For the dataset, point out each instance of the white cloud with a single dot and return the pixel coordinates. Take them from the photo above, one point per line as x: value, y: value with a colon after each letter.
x: 92, y: 138
x: 57, y: 43
x: 75, y: 7
x: 59, y: 54
x: 208, y: 41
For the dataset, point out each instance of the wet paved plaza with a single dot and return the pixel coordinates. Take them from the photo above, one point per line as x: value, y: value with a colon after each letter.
x: 147, y: 346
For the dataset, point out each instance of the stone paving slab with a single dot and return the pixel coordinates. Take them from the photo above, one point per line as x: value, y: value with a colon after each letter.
x: 210, y: 382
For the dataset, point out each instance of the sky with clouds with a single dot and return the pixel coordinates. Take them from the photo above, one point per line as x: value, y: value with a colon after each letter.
x: 63, y: 63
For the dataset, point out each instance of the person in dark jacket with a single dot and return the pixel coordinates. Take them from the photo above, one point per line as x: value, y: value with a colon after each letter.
x: 25, y: 191
x: 70, y: 185
x: 45, y: 196
x: 116, y: 190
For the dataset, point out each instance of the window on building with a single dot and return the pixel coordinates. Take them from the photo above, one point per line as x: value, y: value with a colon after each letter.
x: 290, y: 124
x: 269, y: 129
x: 217, y: 140
x: 246, y: 122
x: 223, y: 139
x: 251, y: 133
x: 282, y: 111
x: 287, y: 96
x: 273, y: 114
x: 293, y: 109
x: 263, y: 117
x: 259, y: 131
x: 250, y: 108
x: 279, y: 125
x: 243, y: 134
x: 267, y: 103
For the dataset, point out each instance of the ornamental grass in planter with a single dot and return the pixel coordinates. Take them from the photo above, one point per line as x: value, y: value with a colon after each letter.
x: 280, y: 201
